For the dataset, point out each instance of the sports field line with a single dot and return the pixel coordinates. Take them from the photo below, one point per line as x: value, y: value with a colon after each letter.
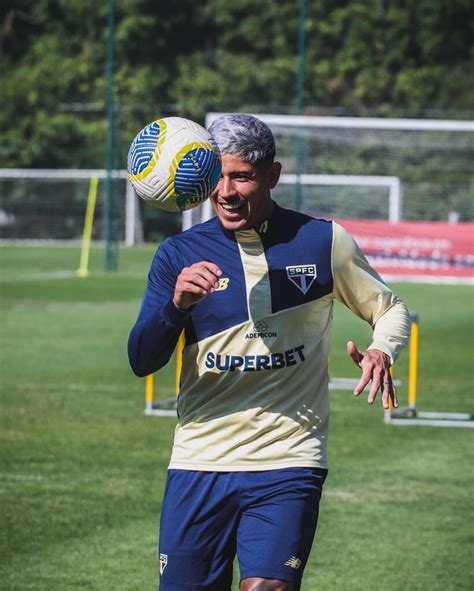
x: 21, y: 477
x: 343, y: 495
x: 428, y: 280
x: 91, y: 387
x: 46, y: 276
x: 39, y: 276
x: 53, y: 388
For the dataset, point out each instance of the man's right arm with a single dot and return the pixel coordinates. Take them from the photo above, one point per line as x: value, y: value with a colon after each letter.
x: 155, y: 334
x: 171, y: 293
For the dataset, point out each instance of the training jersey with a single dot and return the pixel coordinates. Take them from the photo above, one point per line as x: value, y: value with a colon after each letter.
x: 254, y: 382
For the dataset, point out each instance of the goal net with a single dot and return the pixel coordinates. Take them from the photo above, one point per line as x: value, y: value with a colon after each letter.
x: 44, y: 204
x: 334, y: 167
x: 372, y: 168
x: 50, y: 205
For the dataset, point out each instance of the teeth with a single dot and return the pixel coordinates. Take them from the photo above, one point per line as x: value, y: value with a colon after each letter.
x: 230, y: 207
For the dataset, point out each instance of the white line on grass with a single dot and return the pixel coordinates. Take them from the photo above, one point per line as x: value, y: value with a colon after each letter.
x: 91, y: 387
x: 20, y: 477
x: 339, y: 494
x: 40, y: 276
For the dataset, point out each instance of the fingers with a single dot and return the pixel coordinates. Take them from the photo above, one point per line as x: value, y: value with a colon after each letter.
x: 382, y: 383
x: 375, y: 386
x: 201, y: 276
x: 375, y: 367
x: 355, y: 355
x: 389, y: 394
x: 196, y: 282
x: 357, y: 358
x: 364, y: 380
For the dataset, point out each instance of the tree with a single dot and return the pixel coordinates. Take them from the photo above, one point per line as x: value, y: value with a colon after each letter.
x: 186, y: 58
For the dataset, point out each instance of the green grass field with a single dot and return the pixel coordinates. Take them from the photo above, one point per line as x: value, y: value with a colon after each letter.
x: 82, y: 470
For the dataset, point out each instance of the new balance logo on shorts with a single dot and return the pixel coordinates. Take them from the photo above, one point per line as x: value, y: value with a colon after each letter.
x: 293, y: 562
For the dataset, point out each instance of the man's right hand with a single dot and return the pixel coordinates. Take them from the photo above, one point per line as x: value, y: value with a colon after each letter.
x: 194, y: 283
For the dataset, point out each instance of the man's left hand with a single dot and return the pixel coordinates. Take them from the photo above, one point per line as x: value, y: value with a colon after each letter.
x: 375, y: 366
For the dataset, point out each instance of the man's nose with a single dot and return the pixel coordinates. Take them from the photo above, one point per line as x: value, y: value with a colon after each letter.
x: 226, y: 187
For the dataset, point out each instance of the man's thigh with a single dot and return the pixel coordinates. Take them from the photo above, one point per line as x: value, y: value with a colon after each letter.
x: 278, y: 524
x: 197, y: 532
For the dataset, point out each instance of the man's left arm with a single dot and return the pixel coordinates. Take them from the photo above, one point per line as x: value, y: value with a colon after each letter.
x: 361, y: 289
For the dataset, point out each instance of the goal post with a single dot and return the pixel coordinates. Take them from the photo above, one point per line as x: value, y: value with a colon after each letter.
x: 58, y: 198
x: 392, y: 183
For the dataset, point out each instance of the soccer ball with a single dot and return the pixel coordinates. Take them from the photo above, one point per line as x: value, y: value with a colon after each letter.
x: 174, y: 164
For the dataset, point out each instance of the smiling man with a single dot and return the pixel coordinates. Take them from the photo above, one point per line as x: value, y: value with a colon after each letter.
x: 253, y: 290
x: 243, y: 197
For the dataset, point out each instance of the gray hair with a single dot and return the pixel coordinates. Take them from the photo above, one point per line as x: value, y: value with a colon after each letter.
x: 244, y: 136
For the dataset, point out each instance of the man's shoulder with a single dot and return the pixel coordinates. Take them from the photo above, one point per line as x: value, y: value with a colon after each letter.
x: 203, y: 231
x: 290, y: 221
x: 209, y: 228
x: 296, y: 216
x: 184, y: 246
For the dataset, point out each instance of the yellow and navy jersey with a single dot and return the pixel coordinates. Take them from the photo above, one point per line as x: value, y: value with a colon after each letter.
x: 254, y: 383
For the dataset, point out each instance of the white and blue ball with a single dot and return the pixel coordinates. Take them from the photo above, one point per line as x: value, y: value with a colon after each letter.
x: 174, y: 164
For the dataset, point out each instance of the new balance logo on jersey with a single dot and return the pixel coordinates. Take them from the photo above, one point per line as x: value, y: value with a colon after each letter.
x: 302, y: 276
x: 223, y: 284
x: 163, y: 562
x: 293, y: 562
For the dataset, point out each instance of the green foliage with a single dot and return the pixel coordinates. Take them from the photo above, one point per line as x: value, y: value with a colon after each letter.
x: 188, y: 58
x: 385, y: 53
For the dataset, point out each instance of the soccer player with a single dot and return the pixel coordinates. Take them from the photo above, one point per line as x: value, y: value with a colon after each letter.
x: 253, y: 290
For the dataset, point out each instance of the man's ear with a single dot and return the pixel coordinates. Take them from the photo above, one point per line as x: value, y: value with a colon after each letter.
x: 274, y: 174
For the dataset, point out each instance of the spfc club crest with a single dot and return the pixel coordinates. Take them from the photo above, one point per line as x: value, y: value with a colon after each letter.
x: 302, y: 276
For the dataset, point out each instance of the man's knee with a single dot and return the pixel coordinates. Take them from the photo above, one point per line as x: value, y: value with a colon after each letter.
x: 257, y: 584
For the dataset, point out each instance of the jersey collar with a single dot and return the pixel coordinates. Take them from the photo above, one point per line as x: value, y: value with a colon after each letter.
x: 264, y: 227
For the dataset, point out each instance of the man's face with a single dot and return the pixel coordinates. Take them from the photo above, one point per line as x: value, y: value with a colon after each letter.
x: 242, y: 197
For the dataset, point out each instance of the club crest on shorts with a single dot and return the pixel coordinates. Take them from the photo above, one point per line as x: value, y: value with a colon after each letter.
x: 163, y: 562
x: 302, y: 276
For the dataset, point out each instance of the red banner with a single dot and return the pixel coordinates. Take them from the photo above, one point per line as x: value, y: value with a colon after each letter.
x: 435, y: 252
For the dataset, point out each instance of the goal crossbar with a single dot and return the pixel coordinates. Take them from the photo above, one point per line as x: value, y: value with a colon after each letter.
x: 59, y: 173
x: 392, y: 183
x: 358, y: 122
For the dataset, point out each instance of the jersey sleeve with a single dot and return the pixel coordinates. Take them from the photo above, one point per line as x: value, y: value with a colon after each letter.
x: 155, y: 334
x: 358, y: 286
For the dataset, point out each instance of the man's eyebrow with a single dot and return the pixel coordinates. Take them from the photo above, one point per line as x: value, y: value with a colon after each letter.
x: 249, y: 173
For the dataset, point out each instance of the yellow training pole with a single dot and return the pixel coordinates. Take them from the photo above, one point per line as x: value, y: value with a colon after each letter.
x: 179, y: 361
x: 87, y: 234
x: 149, y: 389
x: 150, y: 378
x: 413, y: 362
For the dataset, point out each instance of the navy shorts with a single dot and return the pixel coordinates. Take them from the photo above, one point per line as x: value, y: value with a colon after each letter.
x: 267, y: 518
